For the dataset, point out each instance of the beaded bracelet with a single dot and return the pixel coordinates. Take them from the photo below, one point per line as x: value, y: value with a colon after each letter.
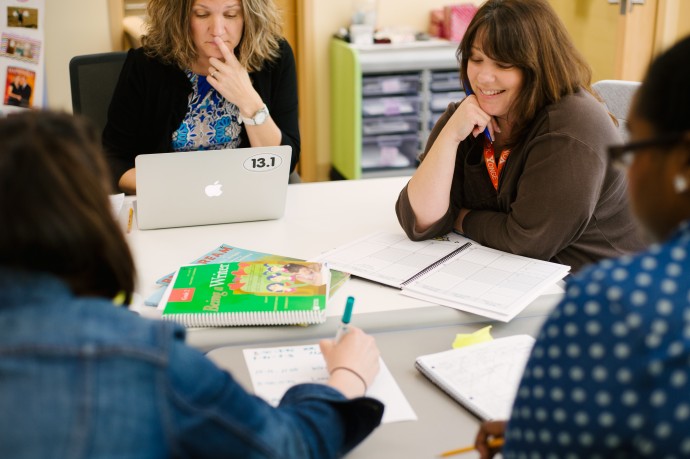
x: 354, y: 373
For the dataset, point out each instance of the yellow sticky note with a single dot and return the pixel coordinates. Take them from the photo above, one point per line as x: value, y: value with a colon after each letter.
x: 467, y: 339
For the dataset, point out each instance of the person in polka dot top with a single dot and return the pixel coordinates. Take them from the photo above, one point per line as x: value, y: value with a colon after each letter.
x: 609, y: 375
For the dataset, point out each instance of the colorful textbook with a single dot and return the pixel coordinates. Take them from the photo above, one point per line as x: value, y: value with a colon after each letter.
x: 225, y: 253
x: 279, y: 292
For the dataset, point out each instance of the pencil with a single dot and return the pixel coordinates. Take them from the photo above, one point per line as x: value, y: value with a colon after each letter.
x: 129, y: 220
x: 493, y: 443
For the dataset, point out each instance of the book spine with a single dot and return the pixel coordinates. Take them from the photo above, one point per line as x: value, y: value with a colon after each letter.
x: 225, y: 319
x: 435, y: 264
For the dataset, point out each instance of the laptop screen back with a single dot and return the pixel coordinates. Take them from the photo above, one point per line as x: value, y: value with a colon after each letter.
x: 211, y: 186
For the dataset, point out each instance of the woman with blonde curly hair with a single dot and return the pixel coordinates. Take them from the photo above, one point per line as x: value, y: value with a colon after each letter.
x: 211, y: 74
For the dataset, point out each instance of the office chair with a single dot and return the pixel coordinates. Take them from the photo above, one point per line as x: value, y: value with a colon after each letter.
x: 93, y: 78
x: 617, y: 95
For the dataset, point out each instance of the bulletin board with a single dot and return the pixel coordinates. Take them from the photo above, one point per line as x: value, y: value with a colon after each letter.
x: 22, y: 54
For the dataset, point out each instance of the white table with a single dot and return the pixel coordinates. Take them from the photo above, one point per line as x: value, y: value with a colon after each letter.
x: 318, y: 217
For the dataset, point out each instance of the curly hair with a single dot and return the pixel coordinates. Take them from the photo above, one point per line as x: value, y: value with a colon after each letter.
x: 529, y: 35
x: 168, y: 33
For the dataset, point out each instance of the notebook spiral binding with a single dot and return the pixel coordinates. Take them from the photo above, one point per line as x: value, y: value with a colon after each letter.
x: 435, y: 264
x: 248, y: 318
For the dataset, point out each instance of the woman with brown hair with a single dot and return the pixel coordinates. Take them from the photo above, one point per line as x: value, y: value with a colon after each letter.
x: 81, y: 376
x: 211, y: 74
x: 520, y: 165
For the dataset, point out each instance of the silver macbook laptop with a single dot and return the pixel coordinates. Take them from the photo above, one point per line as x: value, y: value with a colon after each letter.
x: 211, y: 186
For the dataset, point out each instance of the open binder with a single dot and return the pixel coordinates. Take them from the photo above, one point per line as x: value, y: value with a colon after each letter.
x: 453, y: 271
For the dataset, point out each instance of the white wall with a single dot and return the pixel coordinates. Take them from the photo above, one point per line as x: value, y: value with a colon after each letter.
x: 73, y: 27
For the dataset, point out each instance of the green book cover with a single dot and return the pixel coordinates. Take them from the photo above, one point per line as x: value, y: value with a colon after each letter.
x: 276, y: 292
x: 227, y: 253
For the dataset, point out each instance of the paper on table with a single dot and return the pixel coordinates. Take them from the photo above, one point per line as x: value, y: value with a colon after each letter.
x: 390, y: 258
x: 483, y: 377
x: 116, y: 202
x: 453, y: 271
x: 274, y: 370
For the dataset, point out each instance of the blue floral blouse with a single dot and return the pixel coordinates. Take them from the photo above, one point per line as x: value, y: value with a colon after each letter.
x: 211, y: 121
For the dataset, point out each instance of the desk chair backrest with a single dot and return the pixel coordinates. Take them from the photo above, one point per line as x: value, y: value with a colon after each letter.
x: 617, y: 95
x: 93, y: 78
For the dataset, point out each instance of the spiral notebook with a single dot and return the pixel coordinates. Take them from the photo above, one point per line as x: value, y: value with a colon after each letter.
x: 275, y: 292
x: 483, y: 377
x: 451, y: 270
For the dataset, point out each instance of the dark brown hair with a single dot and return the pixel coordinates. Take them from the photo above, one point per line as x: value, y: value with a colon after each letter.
x: 529, y: 35
x: 664, y: 97
x: 57, y: 217
x: 169, y: 35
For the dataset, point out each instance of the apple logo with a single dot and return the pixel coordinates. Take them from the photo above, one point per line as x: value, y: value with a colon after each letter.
x: 214, y: 189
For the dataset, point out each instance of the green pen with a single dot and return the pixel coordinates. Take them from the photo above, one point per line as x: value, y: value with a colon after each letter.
x: 345, y: 322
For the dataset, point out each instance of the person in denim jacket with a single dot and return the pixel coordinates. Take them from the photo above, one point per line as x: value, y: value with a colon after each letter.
x: 81, y: 376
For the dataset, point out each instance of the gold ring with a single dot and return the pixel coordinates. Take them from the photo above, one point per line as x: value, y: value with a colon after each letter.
x: 213, y: 74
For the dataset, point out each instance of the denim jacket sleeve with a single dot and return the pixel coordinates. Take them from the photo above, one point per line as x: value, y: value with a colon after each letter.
x: 208, y: 414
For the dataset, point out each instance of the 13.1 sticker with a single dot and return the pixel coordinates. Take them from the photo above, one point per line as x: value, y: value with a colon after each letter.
x: 263, y: 162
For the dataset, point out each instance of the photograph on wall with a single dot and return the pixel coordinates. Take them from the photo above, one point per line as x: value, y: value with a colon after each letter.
x: 20, y: 48
x: 22, y: 17
x: 22, y: 55
x: 19, y: 87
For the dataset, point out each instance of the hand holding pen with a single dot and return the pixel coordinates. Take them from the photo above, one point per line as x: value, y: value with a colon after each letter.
x: 352, y: 358
x: 345, y: 321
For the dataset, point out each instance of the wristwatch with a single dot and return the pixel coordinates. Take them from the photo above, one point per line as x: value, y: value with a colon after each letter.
x: 259, y: 117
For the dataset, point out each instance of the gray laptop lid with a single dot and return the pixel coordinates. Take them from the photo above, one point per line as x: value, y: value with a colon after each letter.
x: 211, y: 186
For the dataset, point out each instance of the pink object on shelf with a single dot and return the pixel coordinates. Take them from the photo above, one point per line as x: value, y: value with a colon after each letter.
x: 456, y: 18
x: 436, y: 23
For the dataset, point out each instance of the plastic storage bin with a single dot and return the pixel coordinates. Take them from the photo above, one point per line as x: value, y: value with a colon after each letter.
x: 389, y: 151
x: 389, y: 125
x: 440, y: 100
x: 391, y: 84
x: 386, y: 106
x: 445, y: 81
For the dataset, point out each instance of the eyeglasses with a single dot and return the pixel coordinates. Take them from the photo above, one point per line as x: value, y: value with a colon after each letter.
x: 621, y: 156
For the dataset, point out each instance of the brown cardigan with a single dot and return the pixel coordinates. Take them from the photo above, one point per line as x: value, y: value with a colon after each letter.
x: 558, y: 198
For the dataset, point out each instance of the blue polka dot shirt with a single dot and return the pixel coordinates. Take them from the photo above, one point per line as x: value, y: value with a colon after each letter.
x: 609, y: 375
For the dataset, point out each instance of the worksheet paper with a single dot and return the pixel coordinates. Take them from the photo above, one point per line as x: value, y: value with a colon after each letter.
x: 274, y: 370
x: 452, y: 271
x: 116, y: 202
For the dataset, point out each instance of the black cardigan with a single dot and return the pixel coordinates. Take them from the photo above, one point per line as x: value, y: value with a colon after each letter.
x: 150, y: 102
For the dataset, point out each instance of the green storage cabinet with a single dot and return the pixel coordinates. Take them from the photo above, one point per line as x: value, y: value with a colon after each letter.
x: 398, y: 95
